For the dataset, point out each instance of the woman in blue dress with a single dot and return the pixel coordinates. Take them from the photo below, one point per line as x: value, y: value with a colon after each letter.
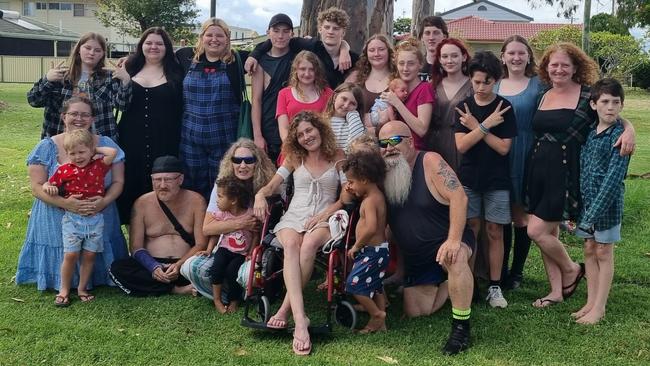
x: 521, y: 87
x: 212, y: 96
x: 42, y: 252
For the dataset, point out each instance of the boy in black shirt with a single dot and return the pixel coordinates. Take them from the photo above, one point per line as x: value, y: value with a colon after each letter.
x: 484, y: 130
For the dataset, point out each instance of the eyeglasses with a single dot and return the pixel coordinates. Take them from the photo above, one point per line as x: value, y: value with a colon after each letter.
x: 83, y: 115
x: 158, y: 180
x: 392, y: 141
x: 248, y: 160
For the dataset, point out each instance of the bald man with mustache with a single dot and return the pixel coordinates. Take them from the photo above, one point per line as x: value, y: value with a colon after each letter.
x: 427, y: 210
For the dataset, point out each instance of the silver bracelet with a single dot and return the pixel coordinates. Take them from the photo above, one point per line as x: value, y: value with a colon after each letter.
x: 483, y: 129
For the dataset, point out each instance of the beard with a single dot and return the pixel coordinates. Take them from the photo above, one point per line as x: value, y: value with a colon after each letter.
x: 397, y: 184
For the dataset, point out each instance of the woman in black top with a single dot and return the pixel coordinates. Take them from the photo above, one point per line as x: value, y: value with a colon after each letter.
x: 151, y: 126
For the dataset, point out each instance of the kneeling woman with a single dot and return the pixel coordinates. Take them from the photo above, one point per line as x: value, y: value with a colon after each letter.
x: 311, y: 154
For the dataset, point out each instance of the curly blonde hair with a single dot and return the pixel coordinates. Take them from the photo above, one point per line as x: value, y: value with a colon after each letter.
x: 319, y: 74
x: 363, y: 65
x: 295, y: 152
x: 409, y: 45
x: 334, y: 15
x: 199, y: 50
x: 264, y: 168
x: 586, y: 67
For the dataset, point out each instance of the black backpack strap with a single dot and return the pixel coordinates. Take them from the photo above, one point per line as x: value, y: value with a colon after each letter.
x: 177, y: 225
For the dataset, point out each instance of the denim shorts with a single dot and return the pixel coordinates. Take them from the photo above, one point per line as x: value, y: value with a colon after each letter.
x: 611, y: 235
x: 496, y: 205
x: 82, y: 232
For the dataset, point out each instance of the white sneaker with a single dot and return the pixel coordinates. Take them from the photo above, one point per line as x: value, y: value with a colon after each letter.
x: 495, y: 297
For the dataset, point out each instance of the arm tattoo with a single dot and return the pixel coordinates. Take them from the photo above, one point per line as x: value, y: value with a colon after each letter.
x: 451, y: 181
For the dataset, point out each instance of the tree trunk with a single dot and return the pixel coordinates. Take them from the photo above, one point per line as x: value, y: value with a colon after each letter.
x: 420, y: 10
x: 375, y: 17
x: 587, y: 26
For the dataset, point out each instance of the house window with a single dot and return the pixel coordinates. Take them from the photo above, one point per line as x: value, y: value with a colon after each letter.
x: 66, y: 6
x: 41, y: 6
x: 482, y: 8
x: 28, y: 9
x: 53, y: 6
x: 79, y: 10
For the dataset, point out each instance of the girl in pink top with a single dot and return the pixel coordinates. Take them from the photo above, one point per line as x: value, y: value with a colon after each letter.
x: 307, y: 90
x: 416, y: 110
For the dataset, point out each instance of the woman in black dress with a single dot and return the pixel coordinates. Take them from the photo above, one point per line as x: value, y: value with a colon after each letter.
x: 151, y: 126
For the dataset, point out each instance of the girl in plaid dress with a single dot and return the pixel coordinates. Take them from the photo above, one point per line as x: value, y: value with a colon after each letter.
x: 211, y: 99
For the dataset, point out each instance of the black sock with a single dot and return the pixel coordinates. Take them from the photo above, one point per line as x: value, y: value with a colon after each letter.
x: 507, y: 244
x: 460, y: 317
x: 495, y: 283
x: 520, y: 252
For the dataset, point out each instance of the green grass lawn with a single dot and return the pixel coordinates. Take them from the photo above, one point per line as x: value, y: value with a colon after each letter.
x: 177, y: 330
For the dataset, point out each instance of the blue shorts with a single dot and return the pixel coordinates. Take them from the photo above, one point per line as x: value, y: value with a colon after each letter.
x: 429, y: 274
x: 368, y: 271
x: 611, y: 235
x: 495, y: 204
x: 82, y: 232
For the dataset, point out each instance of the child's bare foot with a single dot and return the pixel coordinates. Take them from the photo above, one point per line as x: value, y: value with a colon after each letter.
x: 377, y: 323
x: 221, y: 308
x: 582, y: 312
x: 232, y: 307
x: 592, y: 317
x: 183, y: 290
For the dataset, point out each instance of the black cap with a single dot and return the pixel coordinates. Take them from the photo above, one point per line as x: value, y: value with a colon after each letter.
x: 281, y: 19
x: 167, y: 164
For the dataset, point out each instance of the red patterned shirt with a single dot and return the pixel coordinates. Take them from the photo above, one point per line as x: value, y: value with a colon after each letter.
x: 87, y: 181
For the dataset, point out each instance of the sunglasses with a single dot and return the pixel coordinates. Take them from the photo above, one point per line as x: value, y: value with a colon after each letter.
x: 392, y: 141
x: 248, y: 160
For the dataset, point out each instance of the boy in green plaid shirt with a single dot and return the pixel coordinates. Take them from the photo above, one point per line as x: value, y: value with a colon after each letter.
x: 602, y: 170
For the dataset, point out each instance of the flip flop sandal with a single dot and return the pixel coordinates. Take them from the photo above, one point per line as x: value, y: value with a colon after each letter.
x: 61, y: 301
x: 86, y: 298
x: 299, y: 352
x: 545, y: 302
x: 279, y: 323
x: 575, y: 283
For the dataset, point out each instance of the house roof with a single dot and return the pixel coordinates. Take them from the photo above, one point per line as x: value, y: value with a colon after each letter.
x: 446, y: 14
x: 27, y: 28
x: 475, y: 29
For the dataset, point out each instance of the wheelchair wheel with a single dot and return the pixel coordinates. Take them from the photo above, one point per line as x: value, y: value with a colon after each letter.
x: 264, y: 309
x: 345, y: 315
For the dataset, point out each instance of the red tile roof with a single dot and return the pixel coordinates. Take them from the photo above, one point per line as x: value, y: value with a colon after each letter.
x: 475, y: 29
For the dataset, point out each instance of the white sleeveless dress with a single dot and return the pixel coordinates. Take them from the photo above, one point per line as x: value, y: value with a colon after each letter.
x: 311, y: 196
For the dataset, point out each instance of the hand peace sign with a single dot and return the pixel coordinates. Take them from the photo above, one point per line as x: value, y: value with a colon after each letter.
x: 56, y: 72
x: 496, y: 117
x: 467, y: 119
x: 119, y: 71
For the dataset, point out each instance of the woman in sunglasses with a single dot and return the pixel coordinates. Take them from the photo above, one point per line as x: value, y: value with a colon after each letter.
x: 246, y: 162
x: 312, y: 157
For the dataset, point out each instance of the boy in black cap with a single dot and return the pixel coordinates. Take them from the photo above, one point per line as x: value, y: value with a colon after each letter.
x: 266, y: 82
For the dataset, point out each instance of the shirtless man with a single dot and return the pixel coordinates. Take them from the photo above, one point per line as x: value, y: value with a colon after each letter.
x: 157, y: 249
x: 426, y: 213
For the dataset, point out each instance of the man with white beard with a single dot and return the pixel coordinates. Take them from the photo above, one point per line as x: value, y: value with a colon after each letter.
x: 426, y: 214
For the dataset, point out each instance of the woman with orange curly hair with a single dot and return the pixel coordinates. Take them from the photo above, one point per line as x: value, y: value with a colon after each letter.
x: 311, y: 155
x: 561, y: 124
x: 416, y: 110
x: 307, y: 90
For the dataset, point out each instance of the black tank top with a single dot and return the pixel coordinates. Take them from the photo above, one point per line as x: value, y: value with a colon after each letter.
x: 421, y: 225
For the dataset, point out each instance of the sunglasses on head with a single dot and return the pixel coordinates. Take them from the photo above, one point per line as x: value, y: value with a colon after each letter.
x: 246, y: 159
x: 392, y: 141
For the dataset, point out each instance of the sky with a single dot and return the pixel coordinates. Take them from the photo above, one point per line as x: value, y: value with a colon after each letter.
x: 255, y: 14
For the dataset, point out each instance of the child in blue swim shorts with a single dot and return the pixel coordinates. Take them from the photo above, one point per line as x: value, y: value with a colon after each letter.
x: 365, y: 171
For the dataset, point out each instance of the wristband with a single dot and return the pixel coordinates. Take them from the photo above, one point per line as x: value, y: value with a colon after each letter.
x: 483, y: 129
x: 146, y: 260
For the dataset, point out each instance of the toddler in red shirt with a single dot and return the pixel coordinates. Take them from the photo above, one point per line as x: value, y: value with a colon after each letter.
x: 83, y: 178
